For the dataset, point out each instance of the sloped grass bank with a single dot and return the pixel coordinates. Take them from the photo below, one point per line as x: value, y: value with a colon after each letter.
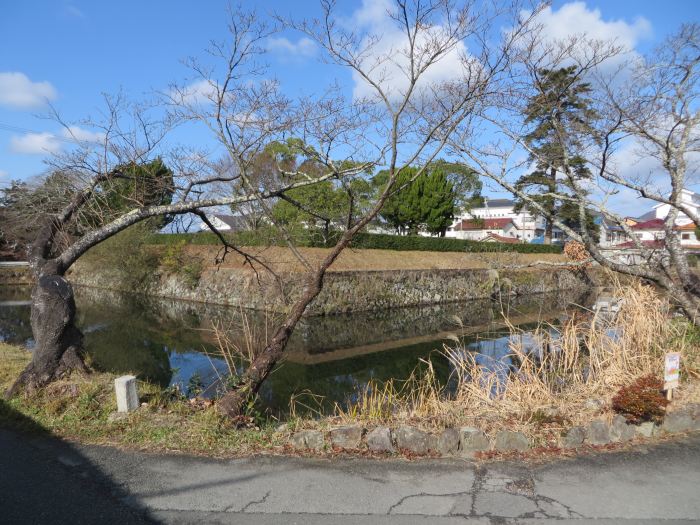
x: 83, y: 409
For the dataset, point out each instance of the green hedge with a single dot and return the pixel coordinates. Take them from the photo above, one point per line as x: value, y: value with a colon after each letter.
x: 443, y: 244
x: 361, y: 240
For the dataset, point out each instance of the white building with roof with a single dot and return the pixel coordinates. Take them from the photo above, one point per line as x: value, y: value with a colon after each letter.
x: 689, y: 198
x: 498, y: 217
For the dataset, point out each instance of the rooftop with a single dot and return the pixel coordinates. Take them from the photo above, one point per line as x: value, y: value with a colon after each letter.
x: 500, y: 238
x: 497, y: 203
x: 483, y: 224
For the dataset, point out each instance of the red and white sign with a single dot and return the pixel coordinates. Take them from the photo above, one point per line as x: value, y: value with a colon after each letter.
x: 672, y: 368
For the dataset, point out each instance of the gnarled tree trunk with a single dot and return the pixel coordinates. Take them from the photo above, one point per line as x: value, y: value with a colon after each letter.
x: 58, y: 342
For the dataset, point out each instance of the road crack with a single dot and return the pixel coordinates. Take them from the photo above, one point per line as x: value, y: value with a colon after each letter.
x: 255, y: 502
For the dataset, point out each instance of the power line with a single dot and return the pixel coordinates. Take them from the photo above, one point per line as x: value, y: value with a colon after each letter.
x: 17, y: 129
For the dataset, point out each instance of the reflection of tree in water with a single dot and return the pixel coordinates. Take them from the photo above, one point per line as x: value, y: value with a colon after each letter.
x: 127, y: 334
x: 15, y: 327
x: 335, y: 381
x: 163, y: 340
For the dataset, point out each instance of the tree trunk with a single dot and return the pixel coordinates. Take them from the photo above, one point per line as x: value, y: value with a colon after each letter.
x: 552, y: 207
x: 58, y: 342
x: 232, y: 404
x: 549, y: 227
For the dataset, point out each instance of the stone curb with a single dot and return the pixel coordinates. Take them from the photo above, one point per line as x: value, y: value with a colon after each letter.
x: 467, y: 441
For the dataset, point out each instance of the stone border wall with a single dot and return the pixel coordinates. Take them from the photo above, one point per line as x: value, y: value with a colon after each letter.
x: 468, y: 441
x: 345, y: 292
x: 15, y: 275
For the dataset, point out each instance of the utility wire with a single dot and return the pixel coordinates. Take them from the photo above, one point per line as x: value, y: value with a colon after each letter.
x: 16, y: 129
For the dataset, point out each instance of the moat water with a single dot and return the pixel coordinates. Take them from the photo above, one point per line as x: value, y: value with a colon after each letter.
x: 172, y: 343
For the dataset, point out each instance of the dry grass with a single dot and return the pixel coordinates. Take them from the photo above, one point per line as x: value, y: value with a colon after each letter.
x: 282, y: 260
x: 568, y: 378
x: 239, y: 342
x: 81, y: 408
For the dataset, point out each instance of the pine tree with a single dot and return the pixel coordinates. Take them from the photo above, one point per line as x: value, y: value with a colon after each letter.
x: 429, y: 202
x: 561, y: 114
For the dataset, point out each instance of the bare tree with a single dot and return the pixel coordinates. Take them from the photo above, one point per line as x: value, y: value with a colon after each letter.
x: 649, y: 106
x: 403, y: 116
x: 78, y: 213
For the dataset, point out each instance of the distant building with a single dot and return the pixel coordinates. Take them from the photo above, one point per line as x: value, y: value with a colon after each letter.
x: 649, y: 231
x: 225, y: 223
x: 689, y: 198
x: 498, y: 217
x: 478, y: 229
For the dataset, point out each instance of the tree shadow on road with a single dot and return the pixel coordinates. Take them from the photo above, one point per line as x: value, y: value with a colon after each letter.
x: 48, y: 480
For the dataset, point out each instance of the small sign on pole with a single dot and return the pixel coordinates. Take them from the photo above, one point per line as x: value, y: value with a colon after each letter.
x: 672, y: 367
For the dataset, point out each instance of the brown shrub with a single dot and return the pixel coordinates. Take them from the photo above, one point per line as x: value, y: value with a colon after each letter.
x: 642, y: 400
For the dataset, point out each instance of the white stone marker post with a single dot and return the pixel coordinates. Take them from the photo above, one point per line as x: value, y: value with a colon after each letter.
x: 127, y: 396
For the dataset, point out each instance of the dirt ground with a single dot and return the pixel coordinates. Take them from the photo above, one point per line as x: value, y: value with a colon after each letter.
x: 283, y: 260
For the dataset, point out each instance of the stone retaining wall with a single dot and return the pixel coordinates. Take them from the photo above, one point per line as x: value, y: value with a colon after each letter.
x: 350, y: 291
x: 469, y: 441
x: 15, y: 275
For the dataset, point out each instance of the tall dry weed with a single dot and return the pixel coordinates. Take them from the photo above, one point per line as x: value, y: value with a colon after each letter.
x: 567, y: 371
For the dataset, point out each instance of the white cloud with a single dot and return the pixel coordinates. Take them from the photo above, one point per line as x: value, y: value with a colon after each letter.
x: 387, y: 62
x: 47, y: 142
x: 199, y: 92
x: 18, y: 91
x: 3, y: 174
x: 82, y: 135
x: 575, y: 18
x: 304, y: 47
x: 35, y: 143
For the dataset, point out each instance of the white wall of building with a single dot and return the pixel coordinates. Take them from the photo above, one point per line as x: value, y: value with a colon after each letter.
x: 688, y: 197
x: 526, y: 229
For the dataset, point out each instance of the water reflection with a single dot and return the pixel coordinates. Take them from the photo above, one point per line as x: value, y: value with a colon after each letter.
x: 168, y: 342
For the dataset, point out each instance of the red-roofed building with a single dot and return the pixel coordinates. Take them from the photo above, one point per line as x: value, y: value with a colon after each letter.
x: 476, y: 223
x: 494, y: 237
x: 479, y: 229
x: 482, y: 224
x: 651, y: 233
x: 650, y: 225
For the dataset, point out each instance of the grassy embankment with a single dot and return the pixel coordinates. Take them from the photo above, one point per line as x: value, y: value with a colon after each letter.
x: 81, y: 408
x: 569, y: 386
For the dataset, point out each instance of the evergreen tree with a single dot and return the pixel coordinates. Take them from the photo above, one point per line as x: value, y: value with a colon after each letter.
x: 320, y: 208
x: 428, y: 202
x: 130, y: 186
x: 561, y: 114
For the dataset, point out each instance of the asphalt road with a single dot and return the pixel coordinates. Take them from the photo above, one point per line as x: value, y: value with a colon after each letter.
x: 44, y: 480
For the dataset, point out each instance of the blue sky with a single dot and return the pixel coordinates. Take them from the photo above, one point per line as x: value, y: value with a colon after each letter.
x: 71, y: 52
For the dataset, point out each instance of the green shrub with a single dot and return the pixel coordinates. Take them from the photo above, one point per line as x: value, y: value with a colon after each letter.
x: 641, y: 401
x: 269, y: 237
x: 443, y: 244
x: 130, y: 255
x: 176, y: 261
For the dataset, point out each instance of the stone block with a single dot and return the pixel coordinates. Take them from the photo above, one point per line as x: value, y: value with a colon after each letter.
x: 620, y: 430
x: 447, y: 442
x: 598, y: 433
x: 694, y: 409
x: 574, y: 437
x: 308, y: 439
x: 508, y: 440
x: 346, y: 437
x: 679, y: 421
x: 472, y: 440
x: 127, y: 394
x: 646, y: 429
x: 413, y: 440
x: 379, y: 440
